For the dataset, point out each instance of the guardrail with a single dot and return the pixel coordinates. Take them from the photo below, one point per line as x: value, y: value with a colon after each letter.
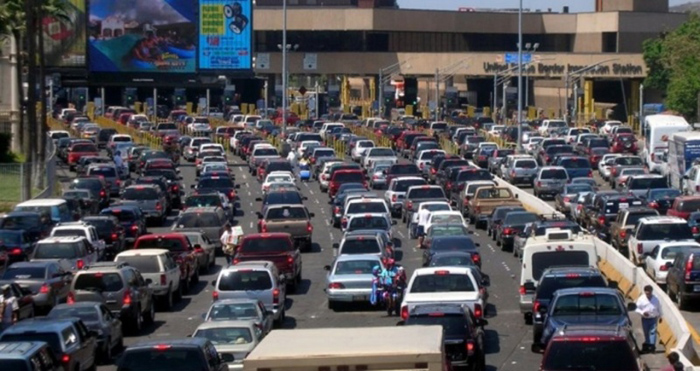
x: 673, y: 330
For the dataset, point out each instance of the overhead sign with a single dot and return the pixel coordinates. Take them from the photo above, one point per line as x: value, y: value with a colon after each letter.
x: 310, y: 61
x: 142, y: 36
x: 225, y: 35
x: 513, y: 57
x: 262, y: 61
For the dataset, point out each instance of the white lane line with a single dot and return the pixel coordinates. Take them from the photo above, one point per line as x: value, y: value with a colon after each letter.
x: 251, y: 204
x: 245, y: 176
x: 251, y: 225
x: 311, y: 191
x: 331, y: 235
x: 317, y: 201
x: 323, y: 211
x: 505, y: 266
x: 328, y: 223
x: 401, y: 234
x: 476, y: 234
x: 491, y: 247
x: 249, y: 194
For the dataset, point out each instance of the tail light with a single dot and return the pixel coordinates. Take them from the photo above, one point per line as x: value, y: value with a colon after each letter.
x: 276, y: 296
x: 65, y: 359
x: 579, y: 207
x: 522, y: 290
x: 567, y: 199
x: 478, y: 311
x: 290, y: 260
x: 16, y: 251
x: 344, y: 221
x: 601, y: 220
x: 336, y: 210
x: 590, y: 173
x: 71, y: 298
x: 118, y: 182
x: 336, y: 285
x: 394, y: 197
x: 539, y: 184
x: 175, y: 188
x: 263, y: 227
x: 470, y: 347
x: 127, y: 298
x: 536, y: 307
x: 654, y: 205
x: 163, y: 280
x: 663, y: 268
x: 80, y: 264
x: 135, y: 228
x: 309, y: 227
x: 215, y: 295
x: 409, y: 205
x: 404, y: 312
x: 158, y: 206
x: 44, y: 289
x: 103, y: 194
x: 623, y: 234
x: 508, y: 231
x: 433, y: 171
x: 476, y: 258
x: 477, y: 209
x: 546, y: 158
x: 640, y: 248
x: 697, y: 188
x: 695, y: 230
x: 613, y: 171
x: 448, y: 185
x: 236, y: 261
x: 512, y: 174
x: 689, y: 266
x: 482, y: 158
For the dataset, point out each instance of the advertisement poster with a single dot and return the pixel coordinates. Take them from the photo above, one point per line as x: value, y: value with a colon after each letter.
x: 142, y: 36
x: 225, y: 35
x: 64, y: 39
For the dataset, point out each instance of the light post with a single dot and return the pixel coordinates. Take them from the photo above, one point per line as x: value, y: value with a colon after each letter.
x: 520, y: 74
x: 527, y: 78
x: 285, y: 48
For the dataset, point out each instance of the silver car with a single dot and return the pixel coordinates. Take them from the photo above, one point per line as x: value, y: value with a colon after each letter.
x: 237, y: 338
x: 240, y: 310
x: 377, y: 176
x: 109, y: 173
x: 349, y: 279
x: 550, y: 181
x: 522, y: 170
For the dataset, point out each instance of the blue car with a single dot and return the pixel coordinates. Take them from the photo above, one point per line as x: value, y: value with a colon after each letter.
x: 575, y: 166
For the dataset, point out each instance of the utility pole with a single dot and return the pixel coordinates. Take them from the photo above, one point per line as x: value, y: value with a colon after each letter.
x: 504, y: 111
x: 520, y: 76
x: 284, y: 67
x: 380, y: 94
x: 30, y: 145
x: 437, y: 94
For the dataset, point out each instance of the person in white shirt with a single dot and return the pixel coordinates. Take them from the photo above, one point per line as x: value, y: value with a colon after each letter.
x: 423, y: 216
x: 649, y: 307
x: 228, y: 244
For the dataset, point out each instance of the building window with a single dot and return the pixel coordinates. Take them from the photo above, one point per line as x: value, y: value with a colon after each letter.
x: 377, y: 42
x: 609, y: 42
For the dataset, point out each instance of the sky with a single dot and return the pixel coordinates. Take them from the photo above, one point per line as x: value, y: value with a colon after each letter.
x: 556, y: 5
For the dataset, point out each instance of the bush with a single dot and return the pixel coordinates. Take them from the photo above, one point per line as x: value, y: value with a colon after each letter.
x: 5, y: 145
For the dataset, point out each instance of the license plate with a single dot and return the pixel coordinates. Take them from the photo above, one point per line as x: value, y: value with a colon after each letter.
x: 624, y: 206
x: 365, y: 298
x: 696, y: 288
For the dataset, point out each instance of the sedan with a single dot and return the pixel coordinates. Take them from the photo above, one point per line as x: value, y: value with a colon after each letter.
x: 48, y: 281
x: 98, y: 318
x: 237, y: 338
x: 350, y: 279
x: 563, y: 200
x: 658, y: 259
x: 242, y: 309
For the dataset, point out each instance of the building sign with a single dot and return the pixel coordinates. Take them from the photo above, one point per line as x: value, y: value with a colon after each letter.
x: 310, y: 61
x: 142, y: 36
x: 549, y: 69
x: 263, y: 61
x: 64, y: 39
x: 225, y: 35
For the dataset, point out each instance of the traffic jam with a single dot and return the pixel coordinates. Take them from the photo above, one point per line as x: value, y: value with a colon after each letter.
x: 391, y: 223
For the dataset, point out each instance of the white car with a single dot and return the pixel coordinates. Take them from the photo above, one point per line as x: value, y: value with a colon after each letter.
x: 236, y: 138
x: 425, y: 158
x: 209, y: 160
x: 277, y: 177
x: 305, y: 144
x: 532, y: 143
x: 573, y: 133
x: 652, y: 231
x: 607, y: 127
x: 361, y: 148
x: 496, y: 130
x: 378, y: 153
x: 662, y: 254
x: 323, y: 177
x: 212, y: 146
x: 604, y: 164
x: 444, y: 217
x: 80, y: 229
x: 432, y: 206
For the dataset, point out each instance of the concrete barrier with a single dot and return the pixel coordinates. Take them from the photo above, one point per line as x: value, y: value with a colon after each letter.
x: 673, y: 330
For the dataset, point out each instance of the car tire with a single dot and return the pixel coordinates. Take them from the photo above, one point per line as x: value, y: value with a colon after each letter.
x: 178, y: 292
x: 106, y: 356
x: 333, y: 306
x: 168, y: 300
x: 137, y: 322
x: 280, y: 322
x: 151, y: 315
x: 195, y: 278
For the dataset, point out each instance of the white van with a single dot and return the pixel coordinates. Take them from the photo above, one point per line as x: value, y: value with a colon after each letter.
x: 56, y: 207
x: 658, y: 130
x: 328, y: 127
x: 557, y: 247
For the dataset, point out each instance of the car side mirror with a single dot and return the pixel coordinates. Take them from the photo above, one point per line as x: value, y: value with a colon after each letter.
x: 213, y: 283
x: 305, y: 198
x: 631, y: 307
x: 486, y: 280
x: 258, y: 199
x: 542, y: 309
x: 226, y: 357
x: 529, y: 286
x: 516, y: 196
x: 482, y: 322
x: 259, y: 214
x: 669, y: 265
x: 237, y: 186
x: 393, y: 222
x: 327, y: 267
x: 149, y: 281
x: 193, y: 186
x: 312, y: 215
x: 336, y: 245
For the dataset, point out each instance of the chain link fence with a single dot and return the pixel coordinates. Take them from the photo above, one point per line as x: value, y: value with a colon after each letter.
x: 41, y: 175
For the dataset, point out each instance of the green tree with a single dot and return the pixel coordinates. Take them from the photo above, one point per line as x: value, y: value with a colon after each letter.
x: 657, y: 75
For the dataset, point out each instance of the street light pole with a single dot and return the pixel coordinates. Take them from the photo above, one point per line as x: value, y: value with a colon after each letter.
x: 520, y: 75
x: 284, y: 66
x: 380, y: 95
x: 437, y: 94
x: 505, y: 103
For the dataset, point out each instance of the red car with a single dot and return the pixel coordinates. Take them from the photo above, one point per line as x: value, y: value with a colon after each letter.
x: 595, y: 155
x: 345, y: 176
x: 79, y: 150
x: 181, y: 250
x: 278, y: 248
x: 683, y: 206
x: 625, y: 143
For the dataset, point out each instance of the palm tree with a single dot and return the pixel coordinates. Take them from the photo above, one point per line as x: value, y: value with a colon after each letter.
x: 13, y: 24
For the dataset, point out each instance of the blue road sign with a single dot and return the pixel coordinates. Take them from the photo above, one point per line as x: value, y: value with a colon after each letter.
x: 513, y: 58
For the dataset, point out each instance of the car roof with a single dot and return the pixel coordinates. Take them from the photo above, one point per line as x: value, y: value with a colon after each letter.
x: 191, y: 341
x: 43, y: 202
x: 662, y: 219
x: 30, y: 264
x: 143, y: 252
x: 594, y: 290
x: 563, y: 271
x: 356, y: 257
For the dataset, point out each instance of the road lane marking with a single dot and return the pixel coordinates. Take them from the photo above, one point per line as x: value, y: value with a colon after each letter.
x: 311, y: 191
x: 251, y: 225
x: 476, y: 234
x: 245, y: 177
x: 331, y: 234
x: 251, y: 204
x: 328, y: 222
x: 317, y: 201
x: 401, y: 234
x: 505, y: 266
x: 491, y: 247
x: 249, y: 194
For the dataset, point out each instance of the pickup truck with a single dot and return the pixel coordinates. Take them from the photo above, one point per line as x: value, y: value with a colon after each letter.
x: 426, y: 284
x: 292, y: 219
x: 181, y: 250
x: 275, y: 247
x: 417, y: 194
x: 487, y: 198
x: 624, y: 224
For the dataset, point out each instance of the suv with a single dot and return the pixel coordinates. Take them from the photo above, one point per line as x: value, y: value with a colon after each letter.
x: 255, y: 279
x: 550, y: 180
x: 208, y: 220
x: 131, y: 219
x: 110, y: 231
x: 81, y: 229
x: 396, y: 191
x: 121, y: 288
x: 624, y: 223
x: 181, y: 250
x: 25, y: 355
x: 69, y: 339
x: 183, y: 354
x: 683, y: 276
x: 77, y: 251
x: 464, y: 335
x: 149, y: 198
x: 606, y: 209
x: 277, y: 248
x: 158, y: 266
x: 654, y: 230
x: 572, y: 348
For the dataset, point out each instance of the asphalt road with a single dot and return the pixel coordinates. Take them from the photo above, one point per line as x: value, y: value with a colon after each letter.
x: 508, y: 339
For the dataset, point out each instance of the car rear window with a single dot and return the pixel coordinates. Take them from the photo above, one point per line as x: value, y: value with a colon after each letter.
x: 355, y: 266
x: 99, y: 282
x: 170, y: 244
x: 633, y: 218
x: 49, y: 338
x: 381, y: 152
x: 140, y: 194
x: 576, y: 163
x: 553, y: 283
x: 198, y: 220
x: 87, y: 314
x: 525, y: 164
x: 452, y: 244
x: 69, y: 232
x: 55, y: 251
x: 84, y: 148
x: 403, y: 185
x: 122, y: 215
x: 215, y: 183
x: 544, y: 260
x: 426, y: 193
x: 233, y: 311
x: 279, y: 166
x: 519, y: 218
x: 601, y: 355
x: 245, y: 280
x: 372, y: 222
x: 21, y: 222
x: 366, y: 207
x: 689, y: 205
x: 24, y: 273
x: 473, y: 175
x: 348, y: 177
x: 286, y: 213
x: 559, y: 174
x: 175, y: 358
x: 107, y: 172
x: 404, y: 169
x: 663, y: 231
x: 361, y: 245
x: 145, y: 264
x: 628, y: 161
x: 586, y: 303
x: 442, y: 282
x: 266, y: 244
x: 664, y: 193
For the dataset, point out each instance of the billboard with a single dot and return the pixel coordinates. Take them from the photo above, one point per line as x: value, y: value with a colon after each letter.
x: 225, y: 35
x: 142, y: 36
x: 64, y: 38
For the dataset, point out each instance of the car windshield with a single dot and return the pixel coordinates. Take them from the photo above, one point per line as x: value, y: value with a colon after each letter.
x: 152, y: 359
x: 99, y: 282
x: 363, y: 207
x: 546, y: 288
x: 453, y: 325
x: 286, y: 213
x: 360, y: 245
x: 402, y: 186
x: 355, y: 267
x: 558, y: 174
x: 599, y: 355
x: 381, y: 152
x: 87, y: 314
x: 145, y: 264
x: 24, y: 273
x: 198, y: 220
x: 215, y: 183
x: 664, y: 231
x: 436, y: 207
x: 49, y: 338
x: 55, y: 251
x: 233, y: 312
x: 226, y: 335
x: 245, y: 280
x: 426, y: 193
x: 519, y: 218
x: 447, y: 230
x: 575, y: 163
x: 266, y: 244
x: 587, y: 303
x: 442, y: 281
x: 462, y: 260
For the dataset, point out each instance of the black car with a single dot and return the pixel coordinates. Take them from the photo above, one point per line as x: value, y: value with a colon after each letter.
x: 496, y: 218
x: 457, y: 182
x: 17, y: 244
x: 513, y: 223
x: 172, y: 180
x: 464, y: 336
x: 37, y: 225
x: 222, y: 184
x: 83, y: 199
x: 97, y: 187
x: 110, y: 231
x: 184, y: 354
x: 661, y: 199
x: 605, y: 211
x: 451, y: 243
x: 131, y: 218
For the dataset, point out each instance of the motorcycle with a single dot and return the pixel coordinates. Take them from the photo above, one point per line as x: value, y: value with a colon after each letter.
x: 392, y: 298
